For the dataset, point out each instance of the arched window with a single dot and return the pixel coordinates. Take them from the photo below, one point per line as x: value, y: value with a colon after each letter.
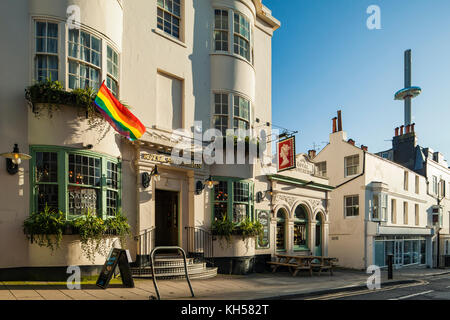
x: 300, y: 228
x: 281, y: 230
x: 318, y: 230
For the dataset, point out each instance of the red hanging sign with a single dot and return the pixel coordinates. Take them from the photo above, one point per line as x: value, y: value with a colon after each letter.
x: 286, y: 154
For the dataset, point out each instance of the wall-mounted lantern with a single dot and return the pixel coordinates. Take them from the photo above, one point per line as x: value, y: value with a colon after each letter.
x: 13, y: 159
x: 260, y: 196
x: 209, y: 183
x: 147, y: 177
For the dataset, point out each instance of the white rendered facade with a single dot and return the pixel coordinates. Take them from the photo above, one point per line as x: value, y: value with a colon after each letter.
x: 211, y: 61
x: 377, y: 208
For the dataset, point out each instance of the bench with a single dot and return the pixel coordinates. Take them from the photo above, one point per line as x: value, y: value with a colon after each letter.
x: 296, y: 263
x: 324, y: 264
x: 293, y: 267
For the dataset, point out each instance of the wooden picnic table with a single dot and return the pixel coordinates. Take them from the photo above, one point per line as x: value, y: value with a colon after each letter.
x: 295, y: 263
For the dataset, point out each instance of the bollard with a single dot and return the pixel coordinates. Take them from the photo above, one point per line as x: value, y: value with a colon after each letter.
x: 390, y: 266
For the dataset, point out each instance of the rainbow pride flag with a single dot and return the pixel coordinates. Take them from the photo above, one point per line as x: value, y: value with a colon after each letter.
x: 119, y: 117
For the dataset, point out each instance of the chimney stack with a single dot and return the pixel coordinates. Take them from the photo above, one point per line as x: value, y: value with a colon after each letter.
x: 311, y: 154
x: 339, y: 120
x: 396, y: 131
x: 408, y: 128
x: 334, y: 125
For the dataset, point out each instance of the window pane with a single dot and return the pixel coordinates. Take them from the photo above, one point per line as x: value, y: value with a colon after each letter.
x: 80, y: 172
x: 40, y: 45
x: 221, y: 191
x: 41, y: 29
x: 52, y: 30
x: 95, y: 44
x: 47, y: 195
x: 46, y: 167
x: 83, y: 200
x: 220, y: 211
x: 299, y: 234
x: 240, y: 212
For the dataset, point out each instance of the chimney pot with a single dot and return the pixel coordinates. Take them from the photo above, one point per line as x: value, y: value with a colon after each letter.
x: 334, y: 124
x: 351, y: 141
x: 412, y: 127
x: 408, y: 128
x: 339, y: 120
x: 396, y: 131
x: 312, y: 154
x: 401, y: 130
x: 365, y: 148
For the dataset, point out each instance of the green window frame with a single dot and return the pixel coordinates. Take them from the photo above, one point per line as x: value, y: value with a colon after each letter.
x: 301, y: 229
x: 72, y: 179
x: 230, y: 196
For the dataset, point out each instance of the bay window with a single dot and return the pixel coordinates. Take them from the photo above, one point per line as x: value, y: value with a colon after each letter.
x: 46, y: 58
x: 74, y: 182
x: 239, y: 37
x: 379, y: 207
x: 232, y: 199
x: 237, y: 107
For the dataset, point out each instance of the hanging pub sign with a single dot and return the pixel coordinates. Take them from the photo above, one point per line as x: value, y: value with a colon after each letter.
x: 286, y: 154
x: 117, y: 257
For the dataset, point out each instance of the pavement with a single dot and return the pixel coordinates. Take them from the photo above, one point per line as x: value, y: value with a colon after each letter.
x: 256, y: 286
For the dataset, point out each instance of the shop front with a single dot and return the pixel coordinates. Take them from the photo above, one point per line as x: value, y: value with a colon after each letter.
x: 301, y: 217
x: 409, y: 246
x: 406, y: 250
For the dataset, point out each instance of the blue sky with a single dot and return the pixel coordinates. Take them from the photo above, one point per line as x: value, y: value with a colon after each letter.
x: 325, y: 58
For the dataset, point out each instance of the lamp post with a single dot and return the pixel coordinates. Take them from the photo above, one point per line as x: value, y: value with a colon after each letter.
x: 439, y: 197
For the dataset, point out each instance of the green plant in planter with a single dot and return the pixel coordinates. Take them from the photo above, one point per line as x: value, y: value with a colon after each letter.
x: 118, y: 226
x: 91, y: 229
x: 45, y: 228
x: 248, y: 228
x: 224, y: 229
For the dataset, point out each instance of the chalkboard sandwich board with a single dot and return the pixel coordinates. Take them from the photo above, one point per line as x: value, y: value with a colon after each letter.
x: 117, y: 257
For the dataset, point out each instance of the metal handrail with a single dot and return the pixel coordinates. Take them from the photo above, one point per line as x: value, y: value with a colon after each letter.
x: 200, y: 241
x: 153, y: 267
x: 144, y: 238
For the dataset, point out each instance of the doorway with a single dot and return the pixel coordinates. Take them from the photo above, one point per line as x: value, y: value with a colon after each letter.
x: 166, y: 218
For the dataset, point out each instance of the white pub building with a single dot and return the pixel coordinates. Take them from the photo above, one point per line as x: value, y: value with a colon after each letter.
x: 173, y: 62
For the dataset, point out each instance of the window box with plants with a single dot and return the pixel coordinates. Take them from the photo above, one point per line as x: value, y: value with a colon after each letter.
x: 234, y: 239
x: 47, y: 229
